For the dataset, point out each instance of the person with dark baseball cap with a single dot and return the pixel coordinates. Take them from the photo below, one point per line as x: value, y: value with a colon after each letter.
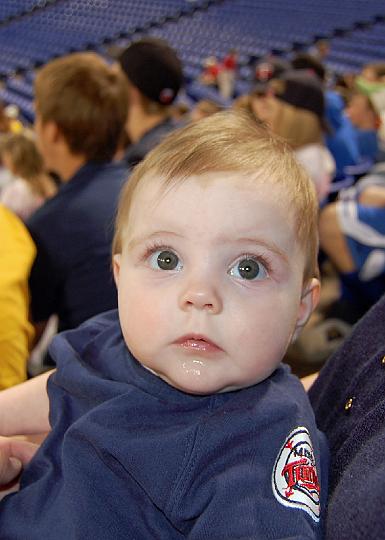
x: 155, y: 76
x: 303, y: 90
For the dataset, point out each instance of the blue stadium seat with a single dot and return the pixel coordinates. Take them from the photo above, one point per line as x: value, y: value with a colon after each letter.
x: 34, y: 31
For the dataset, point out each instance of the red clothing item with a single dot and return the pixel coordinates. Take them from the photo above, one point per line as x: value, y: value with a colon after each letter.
x: 230, y: 62
x: 212, y: 71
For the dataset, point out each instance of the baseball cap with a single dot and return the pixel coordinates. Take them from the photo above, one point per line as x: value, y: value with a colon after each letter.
x: 309, y: 62
x: 154, y: 68
x: 303, y: 90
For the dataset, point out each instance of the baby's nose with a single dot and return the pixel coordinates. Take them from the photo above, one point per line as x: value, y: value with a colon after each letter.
x: 202, y: 295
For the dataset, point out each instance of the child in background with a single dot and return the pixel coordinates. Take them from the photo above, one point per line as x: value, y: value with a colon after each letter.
x: 31, y: 185
x: 175, y: 418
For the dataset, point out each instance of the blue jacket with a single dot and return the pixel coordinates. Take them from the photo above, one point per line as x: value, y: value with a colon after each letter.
x: 342, y: 141
x: 130, y: 457
x: 73, y: 232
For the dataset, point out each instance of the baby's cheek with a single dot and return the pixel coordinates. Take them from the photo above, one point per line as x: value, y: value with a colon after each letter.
x: 265, y: 340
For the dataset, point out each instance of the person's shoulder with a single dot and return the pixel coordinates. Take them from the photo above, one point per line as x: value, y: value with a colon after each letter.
x: 94, y: 183
x: 137, y: 151
x: 97, y: 185
x: 112, y: 170
x: 16, y: 242
x: 8, y: 221
x: 92, y: 179
x: 92, y: 354
x: 47, y: 216
x: 95, y: 329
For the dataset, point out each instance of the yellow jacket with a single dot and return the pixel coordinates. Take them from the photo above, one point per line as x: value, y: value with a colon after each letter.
x: 17, y: 253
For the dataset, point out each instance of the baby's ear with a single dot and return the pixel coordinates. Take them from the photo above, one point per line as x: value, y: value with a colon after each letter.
x: 309, y: 301
x: 116, y: 267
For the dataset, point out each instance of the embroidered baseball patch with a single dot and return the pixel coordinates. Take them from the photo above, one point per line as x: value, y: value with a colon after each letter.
x: 295, y: 479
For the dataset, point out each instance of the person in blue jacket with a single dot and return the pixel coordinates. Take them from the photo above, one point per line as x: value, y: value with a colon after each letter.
x: 174, y: 417
x: 349, y: 403
x: 81, y: 109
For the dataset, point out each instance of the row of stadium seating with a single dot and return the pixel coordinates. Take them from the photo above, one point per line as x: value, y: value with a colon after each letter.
x: 196, y: 29
x: 10, y: 9
x: 65, y: 26
x: 359, y: 47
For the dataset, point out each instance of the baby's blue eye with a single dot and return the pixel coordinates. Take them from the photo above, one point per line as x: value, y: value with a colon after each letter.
x: 250, y: 269
x: 165, y: 260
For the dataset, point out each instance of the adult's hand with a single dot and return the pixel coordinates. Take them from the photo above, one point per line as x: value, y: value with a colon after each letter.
x: 15, y: 454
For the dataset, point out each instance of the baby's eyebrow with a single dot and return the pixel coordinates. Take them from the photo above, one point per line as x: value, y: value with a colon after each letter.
x: 270, y: 246
x: 137, y: 240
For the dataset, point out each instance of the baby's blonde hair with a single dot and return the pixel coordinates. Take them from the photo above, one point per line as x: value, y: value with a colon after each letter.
x: 230, y: 141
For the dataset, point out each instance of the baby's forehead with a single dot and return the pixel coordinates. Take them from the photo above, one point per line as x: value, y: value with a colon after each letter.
x: 229, y: 197
x: 152, y: 186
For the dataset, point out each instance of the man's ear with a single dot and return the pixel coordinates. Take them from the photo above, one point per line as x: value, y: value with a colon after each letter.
x: 52, y: 132
x: 116, y: 267
x: 309, y: 301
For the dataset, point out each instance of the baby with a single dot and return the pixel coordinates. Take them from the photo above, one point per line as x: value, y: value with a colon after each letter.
x: 176, y: 419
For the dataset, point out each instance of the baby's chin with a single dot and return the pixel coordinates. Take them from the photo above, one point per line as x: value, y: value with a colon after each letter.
x: 200, y: 387
x: 203, y: 377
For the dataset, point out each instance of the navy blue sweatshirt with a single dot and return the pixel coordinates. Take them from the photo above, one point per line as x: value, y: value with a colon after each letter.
x: 130, y: 457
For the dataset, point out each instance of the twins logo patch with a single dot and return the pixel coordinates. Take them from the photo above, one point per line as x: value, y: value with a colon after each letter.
x: 295, y: 479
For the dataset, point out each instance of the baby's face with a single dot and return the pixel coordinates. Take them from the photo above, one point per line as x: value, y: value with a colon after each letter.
x: 210, y: 282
